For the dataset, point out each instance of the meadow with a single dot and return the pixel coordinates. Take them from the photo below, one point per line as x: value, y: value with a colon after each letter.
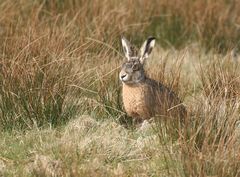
x: 61, y: 111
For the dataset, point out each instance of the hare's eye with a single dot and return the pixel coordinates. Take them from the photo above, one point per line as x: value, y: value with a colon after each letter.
x: 135, y: 67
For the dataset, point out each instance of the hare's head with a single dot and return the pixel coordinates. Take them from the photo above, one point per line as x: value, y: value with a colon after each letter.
x: 132, y: 71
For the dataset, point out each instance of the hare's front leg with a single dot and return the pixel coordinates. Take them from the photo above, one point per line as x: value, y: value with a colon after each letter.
x: 142, y: 124
x: 137, y: 121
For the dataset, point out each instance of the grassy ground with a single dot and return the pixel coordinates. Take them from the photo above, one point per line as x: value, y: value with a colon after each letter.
x: 61, y: 111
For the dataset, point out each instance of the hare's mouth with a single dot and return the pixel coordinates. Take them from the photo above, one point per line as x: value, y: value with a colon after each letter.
x: 124, y: 77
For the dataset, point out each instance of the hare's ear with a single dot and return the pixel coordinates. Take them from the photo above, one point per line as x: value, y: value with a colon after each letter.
x: 126, y: 47
x: 146, y: 48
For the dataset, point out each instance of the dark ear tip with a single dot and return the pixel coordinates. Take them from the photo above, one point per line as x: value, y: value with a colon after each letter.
x: 151, y: 38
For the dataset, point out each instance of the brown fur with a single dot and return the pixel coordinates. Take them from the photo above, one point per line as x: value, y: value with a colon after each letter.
x: 143, y: 97
x: 149, y: 98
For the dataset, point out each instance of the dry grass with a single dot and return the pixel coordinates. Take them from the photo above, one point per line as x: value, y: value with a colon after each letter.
x: 61, y: 112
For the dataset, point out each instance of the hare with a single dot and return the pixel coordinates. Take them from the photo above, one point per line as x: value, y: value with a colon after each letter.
x: 144, y: 98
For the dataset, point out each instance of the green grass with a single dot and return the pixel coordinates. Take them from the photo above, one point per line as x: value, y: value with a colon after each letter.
x: 87, y: 147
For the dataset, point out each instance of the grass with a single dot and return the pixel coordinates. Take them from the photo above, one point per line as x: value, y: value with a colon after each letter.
x: 61, y: 110
x: 87, y: 142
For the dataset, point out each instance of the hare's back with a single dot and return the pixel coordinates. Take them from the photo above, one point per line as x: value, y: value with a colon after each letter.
x: 166, y: 101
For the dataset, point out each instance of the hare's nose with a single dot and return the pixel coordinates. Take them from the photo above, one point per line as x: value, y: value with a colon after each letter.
x: 122, y: 76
